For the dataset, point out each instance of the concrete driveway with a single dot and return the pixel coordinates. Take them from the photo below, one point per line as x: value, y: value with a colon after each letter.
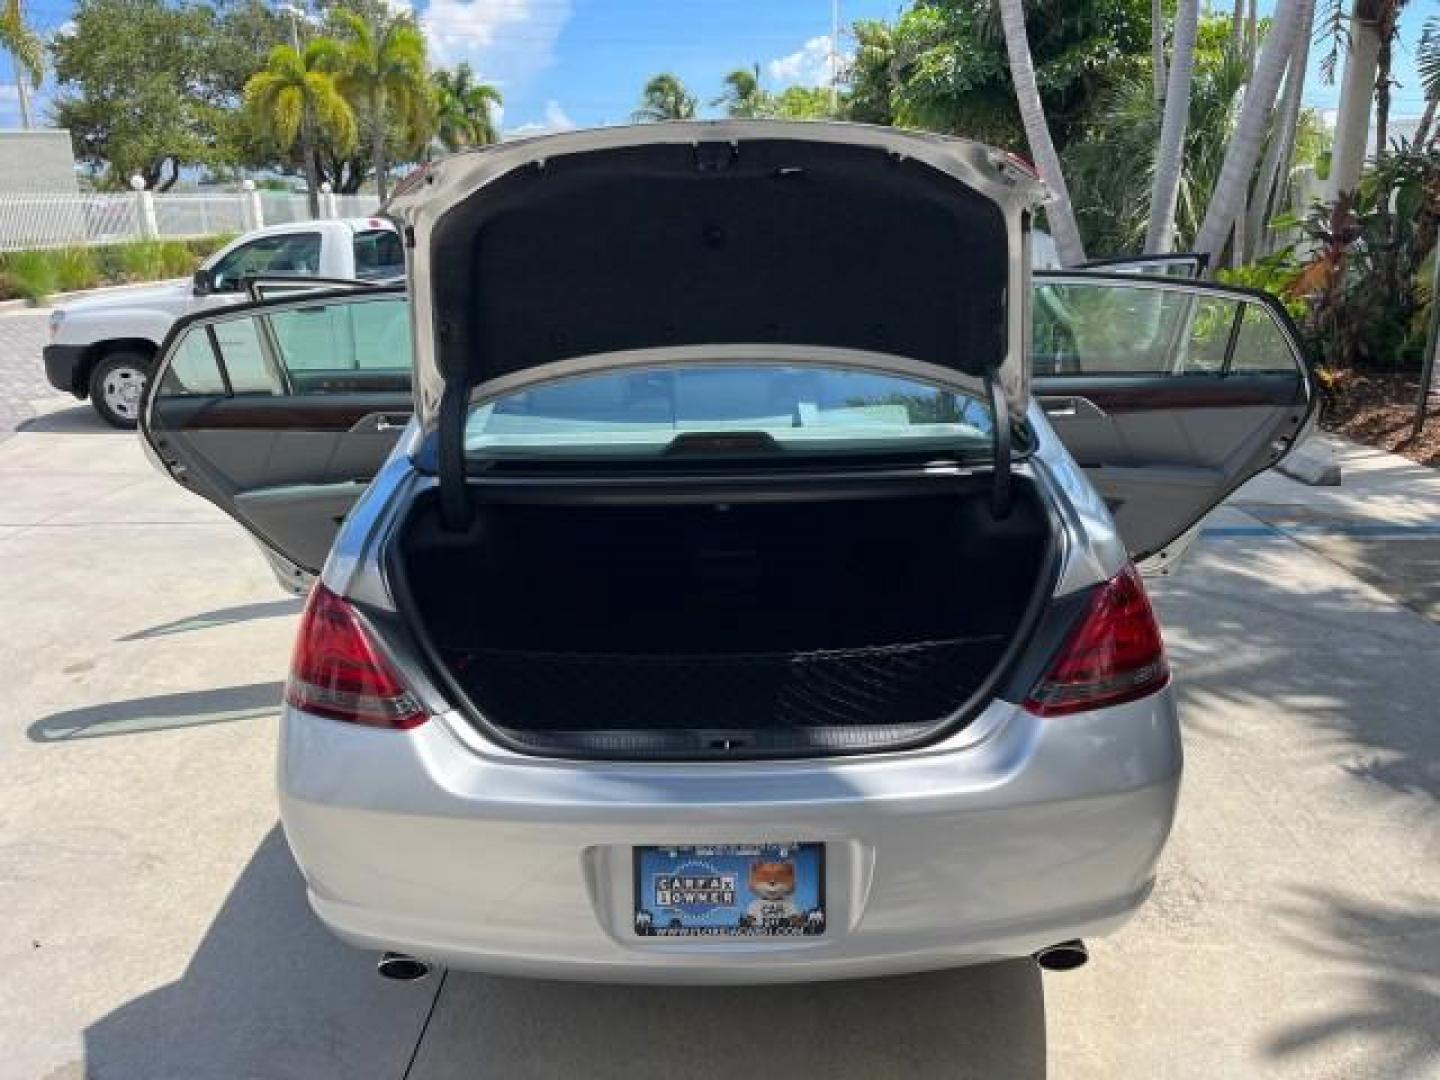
x: 154, y: 925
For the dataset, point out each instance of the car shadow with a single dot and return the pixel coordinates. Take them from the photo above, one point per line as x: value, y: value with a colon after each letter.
x: 74, y: 420
x: 265, y: 609
x: 159, y: 712
x: 269, y: 992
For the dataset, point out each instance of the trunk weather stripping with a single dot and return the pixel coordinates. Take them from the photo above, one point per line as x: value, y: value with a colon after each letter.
x: 454, y: 495
x: 1001, y: 498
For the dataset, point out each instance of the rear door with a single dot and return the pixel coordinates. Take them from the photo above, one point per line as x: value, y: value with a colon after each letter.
x: 281, y: 412
x: 1169, y: 394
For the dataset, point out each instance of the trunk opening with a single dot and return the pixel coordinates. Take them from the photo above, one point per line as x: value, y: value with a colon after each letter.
x: 754, y: 626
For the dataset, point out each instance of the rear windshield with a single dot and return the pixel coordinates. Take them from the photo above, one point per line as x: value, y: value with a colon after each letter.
x: 730, y: 409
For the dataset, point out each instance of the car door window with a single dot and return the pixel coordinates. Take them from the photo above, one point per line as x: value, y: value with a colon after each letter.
x: 378, y: 254
x: 1112, y: 328
x: 285, y: 253
x: 344, y: 345
x: 1262, y: 347
x: 242, y: 351
x: 194, y: 369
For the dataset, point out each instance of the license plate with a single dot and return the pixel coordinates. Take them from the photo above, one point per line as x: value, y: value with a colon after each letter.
x: 730, y: 890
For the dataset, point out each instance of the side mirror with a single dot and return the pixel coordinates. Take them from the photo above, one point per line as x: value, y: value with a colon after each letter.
x: 204, y: 284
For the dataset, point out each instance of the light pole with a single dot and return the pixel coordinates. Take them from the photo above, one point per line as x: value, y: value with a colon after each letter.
x: 1427, y: 364
x: 834, y: 55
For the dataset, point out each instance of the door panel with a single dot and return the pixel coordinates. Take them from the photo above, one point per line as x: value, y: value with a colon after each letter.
x: 303, y: 418
x: 1168, y: 394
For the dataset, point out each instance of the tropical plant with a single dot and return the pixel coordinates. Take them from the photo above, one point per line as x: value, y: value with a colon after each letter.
x: 464, y: 109
x: 665, y: 98
x: 1229, y: 194
x: 295, y: 98
x: 382, y: 72
x: 943, y: 66
x: 743, y: 97
x: 804, y: 103
x: 1427, y: 63
x: 1059, y: 212
x: 1112, y: 169
x: 26, y: 51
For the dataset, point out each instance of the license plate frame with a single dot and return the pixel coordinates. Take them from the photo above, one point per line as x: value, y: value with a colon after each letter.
x: 722, y: 891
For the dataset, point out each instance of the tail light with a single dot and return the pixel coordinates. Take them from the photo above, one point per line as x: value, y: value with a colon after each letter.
x: 338, y: 672
x: 1115, y: 654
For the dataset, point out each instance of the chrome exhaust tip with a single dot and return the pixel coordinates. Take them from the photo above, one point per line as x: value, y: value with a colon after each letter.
x: 1066, y: 956
x: 402, y: 968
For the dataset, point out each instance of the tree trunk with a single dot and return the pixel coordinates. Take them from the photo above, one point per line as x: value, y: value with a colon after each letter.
x: 312, y: 173
x: 1357, y: 90
x: 377, y: 143
x: 1237, y: 25
x: 1170, y: 157
x: 22, y: 91
x: 1240, y: 156
x: 1157, y: 49
x: 1060, y: 213
x: 1382, y: 86
x: 1281, y: 149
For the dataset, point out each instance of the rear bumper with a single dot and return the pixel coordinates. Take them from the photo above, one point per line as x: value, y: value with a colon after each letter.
x: 62, y: 363
x: 1018, y: 834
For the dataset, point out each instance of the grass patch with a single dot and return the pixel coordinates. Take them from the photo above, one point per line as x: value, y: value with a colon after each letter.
x: 30, y: 274
x: 75, y: 268
x: 36, y: 275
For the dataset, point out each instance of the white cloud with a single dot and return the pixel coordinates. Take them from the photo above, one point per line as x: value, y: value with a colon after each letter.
x: 556, y: 119
x: 507, y: 42
x: 810, y: 65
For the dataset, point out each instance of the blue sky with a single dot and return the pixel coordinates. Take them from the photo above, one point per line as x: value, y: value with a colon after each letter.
x: 582, y: 62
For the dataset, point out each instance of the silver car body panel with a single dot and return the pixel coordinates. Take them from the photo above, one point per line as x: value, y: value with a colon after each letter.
x: 1010, y: 834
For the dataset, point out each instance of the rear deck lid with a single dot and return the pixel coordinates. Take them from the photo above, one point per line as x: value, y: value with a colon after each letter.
x: 534, y: 259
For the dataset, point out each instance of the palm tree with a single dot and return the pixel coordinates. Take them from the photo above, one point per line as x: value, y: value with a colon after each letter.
x: 1060, y: 213
x: 1227, y: 200
x: 382, y: 69
x: 665, y: 98
x: 1427, y: 63
x: 743, y: 96
x: 463, y: 109
x: 27, y: 54
x: 1280, y: 150
x: 1169, y: 161
x: 295, y: 98
x: 1357, y: 91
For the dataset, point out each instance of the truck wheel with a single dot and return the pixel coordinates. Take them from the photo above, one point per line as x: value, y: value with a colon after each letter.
x: 117, y: 386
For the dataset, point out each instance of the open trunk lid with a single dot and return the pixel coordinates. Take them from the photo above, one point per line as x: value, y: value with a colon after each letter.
x: 530, y: 257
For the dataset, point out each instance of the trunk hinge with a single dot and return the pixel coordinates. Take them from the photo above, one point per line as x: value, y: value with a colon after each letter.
x: 1000, y: 497
x: 454, y: 495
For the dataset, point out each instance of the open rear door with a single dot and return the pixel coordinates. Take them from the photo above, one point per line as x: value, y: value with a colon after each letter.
x: 281, y: 412
x: 1169, y: 394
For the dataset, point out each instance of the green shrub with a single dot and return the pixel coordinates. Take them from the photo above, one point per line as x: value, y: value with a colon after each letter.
x: 76, y: 268
x: 140, y: 260
x: 30, y: 274
x: 176, y: 259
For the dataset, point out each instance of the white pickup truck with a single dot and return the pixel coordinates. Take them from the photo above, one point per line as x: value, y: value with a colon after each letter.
x: 103, y: 347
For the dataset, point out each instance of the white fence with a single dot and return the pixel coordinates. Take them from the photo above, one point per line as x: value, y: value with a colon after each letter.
x: 68, y: 220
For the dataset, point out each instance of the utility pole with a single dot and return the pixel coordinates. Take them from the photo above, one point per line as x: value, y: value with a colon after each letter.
x: 834, y: 55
